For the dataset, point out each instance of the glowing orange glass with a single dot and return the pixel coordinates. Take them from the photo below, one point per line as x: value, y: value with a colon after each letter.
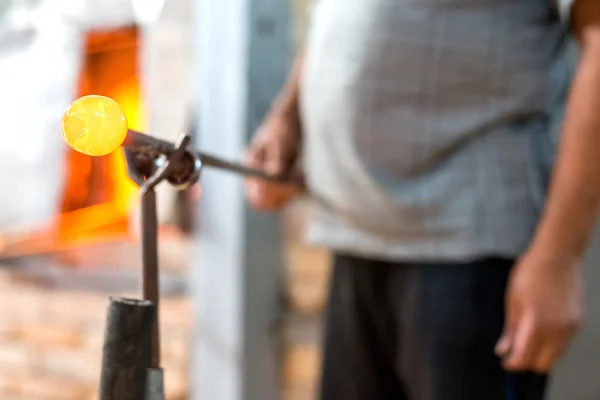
x: 94, y: 125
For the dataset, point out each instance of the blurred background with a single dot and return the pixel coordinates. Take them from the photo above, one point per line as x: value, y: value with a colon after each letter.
x: 69, y: 223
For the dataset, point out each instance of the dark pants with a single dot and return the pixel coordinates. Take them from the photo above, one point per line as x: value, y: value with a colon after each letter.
x: 403, y: 331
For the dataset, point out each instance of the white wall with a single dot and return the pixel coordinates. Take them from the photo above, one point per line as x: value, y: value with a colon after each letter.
x: 40, y: 58
x: 169, y: 82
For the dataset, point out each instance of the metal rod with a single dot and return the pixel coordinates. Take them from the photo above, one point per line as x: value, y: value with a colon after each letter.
x: 137, y: 140
x: 215, y: 162
x: 126, y: 351
x: 149, y: 229
x: 142, y: 142
x: 150, y: 273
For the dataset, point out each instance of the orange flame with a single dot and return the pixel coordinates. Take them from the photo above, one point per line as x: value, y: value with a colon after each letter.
x: 110, y: 70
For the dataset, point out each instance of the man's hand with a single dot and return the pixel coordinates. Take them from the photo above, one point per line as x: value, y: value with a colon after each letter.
x: 275, y: 149
x: 545, y: 294
x: 544, y: 308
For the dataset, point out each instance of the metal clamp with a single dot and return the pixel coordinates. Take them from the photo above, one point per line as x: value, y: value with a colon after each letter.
x: 181, y: 166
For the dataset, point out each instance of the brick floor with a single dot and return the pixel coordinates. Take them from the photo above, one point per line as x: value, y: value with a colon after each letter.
x: 51, y: 341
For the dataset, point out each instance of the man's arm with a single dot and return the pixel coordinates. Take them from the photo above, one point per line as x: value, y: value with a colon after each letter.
x: 287, y: 103
x: 544, y: 300
x: 276, y: 146
x: 570, y: 214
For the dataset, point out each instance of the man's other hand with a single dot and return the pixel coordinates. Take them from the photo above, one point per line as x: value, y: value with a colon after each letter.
x: 275, y: 150
x: 544, y: 308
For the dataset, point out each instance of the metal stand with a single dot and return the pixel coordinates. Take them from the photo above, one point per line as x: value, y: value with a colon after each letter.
x: 131, y: 354
x: 131, y: 359
x: 126, y: 352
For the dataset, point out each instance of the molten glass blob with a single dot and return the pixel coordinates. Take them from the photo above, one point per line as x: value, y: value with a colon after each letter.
x: 94, y: 125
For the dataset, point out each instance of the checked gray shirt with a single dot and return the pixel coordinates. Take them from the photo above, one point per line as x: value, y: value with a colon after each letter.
x: 430, y: 125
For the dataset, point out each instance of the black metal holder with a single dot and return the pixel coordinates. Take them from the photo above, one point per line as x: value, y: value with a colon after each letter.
x: 131, y: 360
x: 131, y: 356
x: 142, y: 151
x: 126, y: 352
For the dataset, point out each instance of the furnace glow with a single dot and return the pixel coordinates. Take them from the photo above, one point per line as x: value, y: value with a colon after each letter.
x: 94, y: 125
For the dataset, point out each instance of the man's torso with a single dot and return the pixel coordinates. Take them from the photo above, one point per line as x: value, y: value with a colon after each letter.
x: 419, y: 119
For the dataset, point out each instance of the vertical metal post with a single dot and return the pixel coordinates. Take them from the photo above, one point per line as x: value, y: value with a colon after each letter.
x: 150, y: 273
x: 150, y: 270
x: 126, y: 351
x: 243, y: 58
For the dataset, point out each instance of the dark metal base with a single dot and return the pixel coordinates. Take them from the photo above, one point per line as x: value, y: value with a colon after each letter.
x: 127, y: 349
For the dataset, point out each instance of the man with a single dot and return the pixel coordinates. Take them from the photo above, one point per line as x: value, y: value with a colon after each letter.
x: 420, y: 123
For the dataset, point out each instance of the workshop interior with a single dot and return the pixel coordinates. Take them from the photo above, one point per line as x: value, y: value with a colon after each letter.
x: 87, y: 242
x: 70, y: 225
